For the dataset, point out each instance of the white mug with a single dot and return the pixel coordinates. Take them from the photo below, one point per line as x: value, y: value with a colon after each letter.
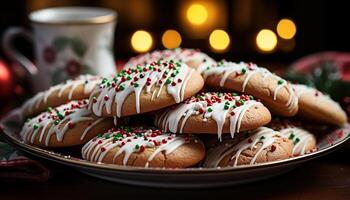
x: 68, y: 41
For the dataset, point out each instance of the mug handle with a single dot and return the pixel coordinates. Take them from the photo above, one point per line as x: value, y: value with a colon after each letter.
x: 9, y: 50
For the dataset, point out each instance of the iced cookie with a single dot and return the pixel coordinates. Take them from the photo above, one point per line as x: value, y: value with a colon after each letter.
x: 144, y: 148
x: 319, y: 107
x: 193, y: 58
x: 304, y: 141
x: 215, y: 113
x: 262, y: 145
x: 70, y: 124
x: 75, y: 89
x: 143, y: 89
x: 275, y: 92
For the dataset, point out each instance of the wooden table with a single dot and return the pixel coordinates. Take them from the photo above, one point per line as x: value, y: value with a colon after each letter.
x: 324, y: 178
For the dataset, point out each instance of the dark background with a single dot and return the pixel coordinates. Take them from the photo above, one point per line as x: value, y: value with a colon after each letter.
x: 321, y: 25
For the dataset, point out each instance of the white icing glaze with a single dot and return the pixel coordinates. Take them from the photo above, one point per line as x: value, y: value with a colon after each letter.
x: 300, y: 138
x: 263, y: 135
x: 184, y: 55
x: 151, y: 79
x: 87, y: 81
x: 248, y: 70
x: 57, y: 122
x: 217, y: 106
x: 129, y: 142
x: 301, y: 90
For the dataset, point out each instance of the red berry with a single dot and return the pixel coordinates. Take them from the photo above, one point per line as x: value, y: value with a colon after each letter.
x: 273, y: 148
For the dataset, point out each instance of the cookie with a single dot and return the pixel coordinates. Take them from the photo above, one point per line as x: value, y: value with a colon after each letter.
x: 275, y: 92
x: 261, y: 146
x: 143, y: 89
x: 144, y: 148
x: 215, y: 113
x: 192, y: 57
x: 67, y: 125
x: 317, y: 106
x: 304, y: 141
x: 76, y: 89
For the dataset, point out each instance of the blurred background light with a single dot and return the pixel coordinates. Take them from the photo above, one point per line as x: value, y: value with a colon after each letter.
x: 171, y: 39
x: 266, y: 40
x: 197, y: 14
x: 141, y: 41
x: 286, y: 29
x: 219, y: 40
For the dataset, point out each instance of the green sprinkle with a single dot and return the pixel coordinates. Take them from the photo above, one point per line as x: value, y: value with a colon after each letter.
x: 279, y: 82
x: 99, y: 135
x: 234, y: 94
x: 121, y: 87
x: 128, y: 78
x: 251, y: 97
x: 107, y: 136
x: 296, y: 140
x: 117, y: 136
x: 60, y: 116
x: 56, y: 122
x: 208, y: 67
x: 178, y: 64
x: 291, y: 136
x: 226, y: 107
x: 108, y: 84
x: 104, y: 80
x: 227, y: 103
x: 49, y: 109
x: 262, y: 137
x: 35, y: 126
x: 243, y: 70
x: 210, y: 110
x: 137, y: 146
x: 168, y: 81
x: 241, y: 102
x: 136, y: 85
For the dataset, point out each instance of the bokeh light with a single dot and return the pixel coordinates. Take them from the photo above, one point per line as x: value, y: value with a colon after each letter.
x: 266, y: 40
x: 286, y: 29
x: 171, y: 39
x: 197, y: 14
x: 219, y: 40
x: 141, y: 41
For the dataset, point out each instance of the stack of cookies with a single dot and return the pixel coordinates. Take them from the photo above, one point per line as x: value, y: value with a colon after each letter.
x: 176, y: 109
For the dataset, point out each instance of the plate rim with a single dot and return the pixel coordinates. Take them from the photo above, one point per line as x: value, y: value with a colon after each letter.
x: 78, y: 162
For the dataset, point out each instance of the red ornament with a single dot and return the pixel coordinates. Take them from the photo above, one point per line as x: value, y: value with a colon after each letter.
x: 6, y: 80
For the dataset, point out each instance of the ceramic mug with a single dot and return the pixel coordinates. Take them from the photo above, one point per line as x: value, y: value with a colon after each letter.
x: 68, y: 41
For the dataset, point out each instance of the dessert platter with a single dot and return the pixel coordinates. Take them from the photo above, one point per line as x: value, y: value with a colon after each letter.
x: 177, y: 118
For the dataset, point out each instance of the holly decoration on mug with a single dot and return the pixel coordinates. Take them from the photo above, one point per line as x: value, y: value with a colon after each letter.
x: 64, y: 68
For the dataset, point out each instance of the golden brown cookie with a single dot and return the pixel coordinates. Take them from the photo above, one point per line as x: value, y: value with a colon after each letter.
x: 143, y: 89
x: 275, y: 92
x: 214, y: 113
x: 144, y: 148
x: 303, y: 141
x: 317, y: 106
x: 262, y: 145
x: 75, y: 89
x: 192, y: 57
x: 67, y: 125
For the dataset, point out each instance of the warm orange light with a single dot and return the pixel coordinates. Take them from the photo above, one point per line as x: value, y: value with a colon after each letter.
x: 286, y: 29
x: 266, y: 40
x: 197, y: 14
x: 171, y: 39
x: 141, y: 41
x: 219, y: 40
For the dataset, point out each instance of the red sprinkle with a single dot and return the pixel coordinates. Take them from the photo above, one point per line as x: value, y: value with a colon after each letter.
x: 103, y: 149
x: 164, y: 141
x: 173, y: 84
x: 250, y: 140
x: 179, y: 80
x: 142, y: 148
x: 106, y: 98
x: 273, y: 148
x: 70, y: 125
